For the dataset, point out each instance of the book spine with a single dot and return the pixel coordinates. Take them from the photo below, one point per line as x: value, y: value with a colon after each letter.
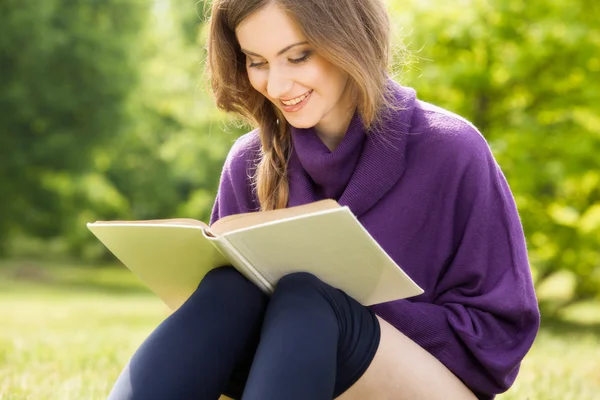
x: 240, y: 263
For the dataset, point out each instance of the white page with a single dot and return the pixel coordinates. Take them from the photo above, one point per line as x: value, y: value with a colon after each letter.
x: 332, y: 245
x: 170, y: 259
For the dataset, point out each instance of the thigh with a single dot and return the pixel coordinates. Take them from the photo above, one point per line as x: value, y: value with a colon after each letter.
x: 239, y: 376
x: 401, y: 369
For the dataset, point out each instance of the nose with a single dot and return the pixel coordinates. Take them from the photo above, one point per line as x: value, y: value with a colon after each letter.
x: 278, y: 84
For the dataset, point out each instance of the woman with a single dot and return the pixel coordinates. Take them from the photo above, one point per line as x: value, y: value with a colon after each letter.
x: 311, y: 75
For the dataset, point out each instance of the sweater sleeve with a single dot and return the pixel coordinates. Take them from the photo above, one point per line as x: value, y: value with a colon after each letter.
x: 484, y: 316
x: 235, y: 194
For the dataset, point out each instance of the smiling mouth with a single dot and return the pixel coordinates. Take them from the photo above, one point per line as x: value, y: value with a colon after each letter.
x: 297, y: 100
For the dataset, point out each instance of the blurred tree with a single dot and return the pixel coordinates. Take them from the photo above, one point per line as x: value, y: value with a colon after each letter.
x: 189, y: 16
x: 169, y: 160
x: 527, y: 73
x: 67, y: 69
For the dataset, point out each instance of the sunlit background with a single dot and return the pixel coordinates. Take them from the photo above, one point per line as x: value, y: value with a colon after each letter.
x: 105, y: 114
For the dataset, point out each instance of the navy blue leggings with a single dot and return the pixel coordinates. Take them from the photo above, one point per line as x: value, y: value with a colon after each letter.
x: 307, y: 341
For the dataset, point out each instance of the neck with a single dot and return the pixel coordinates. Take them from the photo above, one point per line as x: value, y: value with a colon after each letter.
x: 332, y: 140
x: 330, y: 135
x: 333, y: 128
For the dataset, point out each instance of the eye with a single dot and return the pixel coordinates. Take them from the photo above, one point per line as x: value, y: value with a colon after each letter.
x: 256, y: 65
x: 302, y: 59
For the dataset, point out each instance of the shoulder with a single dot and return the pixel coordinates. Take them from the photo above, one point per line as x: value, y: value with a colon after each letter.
x: 235, y: 194
x: 440, y: 135
x: 244, y: 154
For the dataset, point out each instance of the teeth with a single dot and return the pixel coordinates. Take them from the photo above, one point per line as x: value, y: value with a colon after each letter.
x: 296, y: 100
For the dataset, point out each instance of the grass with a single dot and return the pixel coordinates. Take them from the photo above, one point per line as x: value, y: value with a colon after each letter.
x: 66, y: 332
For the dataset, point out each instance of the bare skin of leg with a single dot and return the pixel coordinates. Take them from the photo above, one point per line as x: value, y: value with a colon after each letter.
x: 401, y: 369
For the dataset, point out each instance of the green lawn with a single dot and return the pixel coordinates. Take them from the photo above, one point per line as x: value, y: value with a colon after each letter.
x: 65, y: 334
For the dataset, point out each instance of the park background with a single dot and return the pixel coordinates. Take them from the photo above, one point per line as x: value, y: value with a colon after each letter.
x: 105, y: 114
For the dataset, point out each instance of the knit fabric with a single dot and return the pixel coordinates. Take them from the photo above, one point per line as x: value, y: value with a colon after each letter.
x: 425, y: 185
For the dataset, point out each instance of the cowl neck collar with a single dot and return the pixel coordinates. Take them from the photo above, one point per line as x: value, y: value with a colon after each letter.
x: 329, y: 170
x: 362, y: 169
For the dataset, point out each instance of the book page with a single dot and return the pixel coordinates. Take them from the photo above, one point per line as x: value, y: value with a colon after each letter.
x: 170, y: 259
x: 330, y: 244
x: 240, y: 221
x: 236, y: 221
x: 171, y: 221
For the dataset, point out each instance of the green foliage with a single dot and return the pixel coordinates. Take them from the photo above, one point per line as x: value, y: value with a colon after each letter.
x: 169, y: 162
x: 190, y: 15
x: 105, y: 118
x: 67, y: 70
x: 527, y: 74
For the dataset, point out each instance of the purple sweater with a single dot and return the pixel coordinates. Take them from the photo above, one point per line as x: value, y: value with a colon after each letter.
x: 427, y: 188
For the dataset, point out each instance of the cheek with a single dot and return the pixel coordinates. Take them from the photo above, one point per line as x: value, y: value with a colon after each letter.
x: 312, y: 77
x: 337, y: 80
x: 327, y: 78
x: 258, y: 81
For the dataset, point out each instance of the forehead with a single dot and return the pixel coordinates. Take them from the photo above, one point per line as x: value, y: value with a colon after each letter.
x: 267, y: 31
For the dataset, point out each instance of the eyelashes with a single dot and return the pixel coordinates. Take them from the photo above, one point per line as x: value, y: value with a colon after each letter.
x: 294, y: 61
x: 302, y: 59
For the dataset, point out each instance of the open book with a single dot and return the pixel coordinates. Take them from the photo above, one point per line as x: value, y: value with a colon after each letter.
x: 172, y: 256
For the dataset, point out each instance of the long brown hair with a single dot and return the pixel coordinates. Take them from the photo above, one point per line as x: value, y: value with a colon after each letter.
x: 353, y: 35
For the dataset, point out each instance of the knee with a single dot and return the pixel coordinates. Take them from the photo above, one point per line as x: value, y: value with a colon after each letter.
x: 299, y: 282
x: 302, y: 296
x: 223, y: 277
x: 304, y: 289
x: 227, y: 282
x: 305, y: 292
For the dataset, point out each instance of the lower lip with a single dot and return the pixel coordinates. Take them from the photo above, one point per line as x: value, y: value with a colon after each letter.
x: 296, y: 107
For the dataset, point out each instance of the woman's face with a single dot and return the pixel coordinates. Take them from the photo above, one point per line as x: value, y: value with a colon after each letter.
x: 285, y: 68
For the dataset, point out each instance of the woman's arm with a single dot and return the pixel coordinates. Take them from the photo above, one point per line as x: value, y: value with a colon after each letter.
x: 483, y: 315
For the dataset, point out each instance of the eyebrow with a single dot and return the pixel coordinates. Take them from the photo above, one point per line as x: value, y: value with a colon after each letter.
x: 280, y: 52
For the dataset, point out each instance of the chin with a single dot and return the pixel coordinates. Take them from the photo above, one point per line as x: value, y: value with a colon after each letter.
x: 302, y: 123
x: 301, y: 126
